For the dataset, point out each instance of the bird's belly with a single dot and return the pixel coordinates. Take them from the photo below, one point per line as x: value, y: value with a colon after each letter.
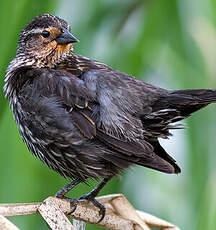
x: 74, y: 157
x: 58, y: 156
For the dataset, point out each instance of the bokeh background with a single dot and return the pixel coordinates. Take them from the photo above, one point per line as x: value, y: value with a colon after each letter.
x: 168, y: 43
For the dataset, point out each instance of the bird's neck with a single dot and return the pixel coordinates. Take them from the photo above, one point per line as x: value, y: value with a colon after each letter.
x: 68, y: 61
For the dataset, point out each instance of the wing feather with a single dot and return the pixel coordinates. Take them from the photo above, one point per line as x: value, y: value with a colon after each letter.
x: 84, y: 102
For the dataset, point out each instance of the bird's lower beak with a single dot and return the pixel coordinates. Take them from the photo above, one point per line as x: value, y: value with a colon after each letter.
x: 66, y: 37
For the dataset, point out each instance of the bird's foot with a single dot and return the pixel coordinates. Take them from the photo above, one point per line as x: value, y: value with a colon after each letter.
x: 73, y: 202
x: 91, y: 197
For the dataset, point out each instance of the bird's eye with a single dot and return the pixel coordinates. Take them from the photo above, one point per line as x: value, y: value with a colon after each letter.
x: 62, y: 30
x: 45, y: 33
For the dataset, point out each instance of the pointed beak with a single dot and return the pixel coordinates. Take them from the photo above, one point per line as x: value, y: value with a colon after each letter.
x: 66, y: 37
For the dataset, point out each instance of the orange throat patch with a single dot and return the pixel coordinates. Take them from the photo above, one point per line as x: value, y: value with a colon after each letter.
x: 63, y: 48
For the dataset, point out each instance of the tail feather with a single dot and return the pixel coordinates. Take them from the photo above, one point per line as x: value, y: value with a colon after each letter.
x: 171, y: 107
x: 197, y: 95
x: 158, y: 149
x: 187, y: 101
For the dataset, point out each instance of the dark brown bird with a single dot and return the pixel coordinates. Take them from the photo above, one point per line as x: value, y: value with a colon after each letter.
x: 84, y: 119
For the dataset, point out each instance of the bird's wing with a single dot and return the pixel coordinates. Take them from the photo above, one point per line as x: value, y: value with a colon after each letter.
x: 102, y: 112
x: 67, y: 91
x: 118, y: 121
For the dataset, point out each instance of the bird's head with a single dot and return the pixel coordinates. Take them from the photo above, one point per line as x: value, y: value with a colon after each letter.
x: 45, y: 40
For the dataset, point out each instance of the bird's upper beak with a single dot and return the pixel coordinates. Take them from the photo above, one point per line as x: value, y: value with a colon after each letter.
x: 66, y: 37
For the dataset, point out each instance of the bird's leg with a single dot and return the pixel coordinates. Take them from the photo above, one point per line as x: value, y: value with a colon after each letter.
x: 61, y: 193
x: 92, y: 194
x: 67, y: 188
x: 89, y: 196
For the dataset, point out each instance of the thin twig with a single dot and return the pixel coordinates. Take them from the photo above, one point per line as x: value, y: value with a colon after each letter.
x: 120, y: 214
x: 5, y: 224
x: 54, y: 216
x: 79, y: 225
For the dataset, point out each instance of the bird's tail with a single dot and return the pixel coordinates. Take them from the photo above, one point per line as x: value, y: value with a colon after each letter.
x: 186, y: 101
x: 171, y: 107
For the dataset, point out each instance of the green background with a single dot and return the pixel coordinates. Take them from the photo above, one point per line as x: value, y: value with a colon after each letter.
x: 168, y: 43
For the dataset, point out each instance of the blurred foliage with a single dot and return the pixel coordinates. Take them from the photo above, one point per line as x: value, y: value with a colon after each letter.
x: 168, y: 43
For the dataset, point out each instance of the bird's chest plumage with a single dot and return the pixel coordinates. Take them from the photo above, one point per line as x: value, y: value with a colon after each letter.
x: 46, y: 128
x: 36, y: 145
x: 43, y: 142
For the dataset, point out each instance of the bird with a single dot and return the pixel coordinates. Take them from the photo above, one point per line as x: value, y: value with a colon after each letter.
x: 84, y: 119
